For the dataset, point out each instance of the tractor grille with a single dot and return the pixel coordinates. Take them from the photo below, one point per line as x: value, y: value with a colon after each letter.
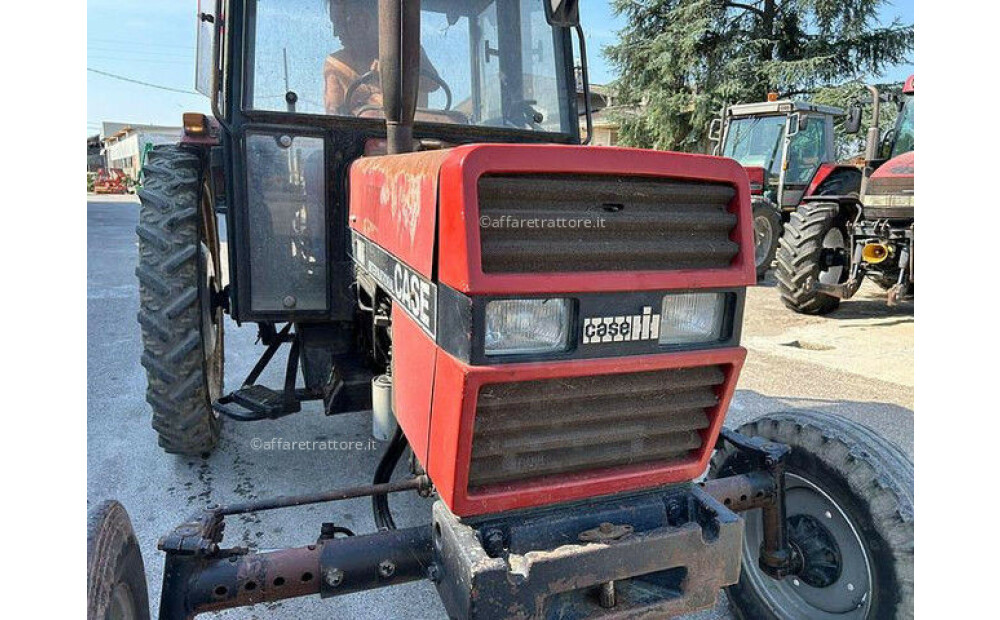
x: 636, y: 223
x: 528, y: 430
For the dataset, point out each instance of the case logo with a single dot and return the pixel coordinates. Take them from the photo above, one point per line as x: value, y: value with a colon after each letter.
x: 416, y: 295
x: 622, y: 328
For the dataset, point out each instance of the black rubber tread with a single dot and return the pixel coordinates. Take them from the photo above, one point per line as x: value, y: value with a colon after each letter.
x: 113, y: 557
x: 764, y: 207
x: 169, y: 269
x: 798, y: 257
x: 869, y: 477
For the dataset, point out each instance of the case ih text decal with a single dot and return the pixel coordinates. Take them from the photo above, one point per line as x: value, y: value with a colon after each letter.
x: 631, y: 328
x: 416, y: 295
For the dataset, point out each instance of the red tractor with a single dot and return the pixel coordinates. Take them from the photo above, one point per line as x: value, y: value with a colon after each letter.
x: 787, y: 148
x: 832, y: 242
x: 551, y: 330
x: 113, y: 181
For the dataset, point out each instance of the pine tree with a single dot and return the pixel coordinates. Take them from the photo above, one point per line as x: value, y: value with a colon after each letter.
x: 683, y: 60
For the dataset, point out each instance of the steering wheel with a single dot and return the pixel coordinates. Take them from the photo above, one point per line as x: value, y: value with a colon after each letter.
x: 346, y: 107
x: 525, y: 116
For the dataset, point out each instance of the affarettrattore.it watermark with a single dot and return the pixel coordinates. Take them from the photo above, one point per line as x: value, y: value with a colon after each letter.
x: 278, y: 444
x: 509, y: 221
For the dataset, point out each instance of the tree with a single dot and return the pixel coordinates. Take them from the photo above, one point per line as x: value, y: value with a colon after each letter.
x: 683, y: 60
x: 843, y: 95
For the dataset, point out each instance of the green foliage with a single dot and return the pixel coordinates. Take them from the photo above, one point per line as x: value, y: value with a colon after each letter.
x: 842, y: 96
x: 682, y: 61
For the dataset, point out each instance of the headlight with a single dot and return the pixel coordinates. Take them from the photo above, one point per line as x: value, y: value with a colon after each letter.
x: 692, y: 318
x: 517, y: 326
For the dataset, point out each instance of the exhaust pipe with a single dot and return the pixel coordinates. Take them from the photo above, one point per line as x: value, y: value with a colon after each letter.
x: 872, y: 140
x: 399, y: 69
x: 875, y: 253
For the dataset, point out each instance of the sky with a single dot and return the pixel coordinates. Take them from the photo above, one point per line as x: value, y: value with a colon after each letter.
x: 153, y: 41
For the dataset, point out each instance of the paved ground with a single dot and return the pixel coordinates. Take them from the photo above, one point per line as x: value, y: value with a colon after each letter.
x: 794, y: 362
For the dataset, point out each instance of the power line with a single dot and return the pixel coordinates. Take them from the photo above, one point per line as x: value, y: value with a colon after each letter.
x: 139, y: 53
x: 157, y: 61
x: 141, y: 83
x: 145, y: 44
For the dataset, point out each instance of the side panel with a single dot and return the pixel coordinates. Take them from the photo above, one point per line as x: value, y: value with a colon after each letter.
x: 394, y: 204
x: 413, y: 363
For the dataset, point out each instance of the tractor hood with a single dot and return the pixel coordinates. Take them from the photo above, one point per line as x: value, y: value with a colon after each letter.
x: 893, y: 177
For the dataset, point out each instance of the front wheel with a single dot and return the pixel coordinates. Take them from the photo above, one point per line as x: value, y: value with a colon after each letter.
x: 179, y: 285
x: 766, y: 231
x: 849, y: 507
x: 116, y: 576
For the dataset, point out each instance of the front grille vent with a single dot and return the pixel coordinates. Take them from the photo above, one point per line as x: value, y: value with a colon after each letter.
x: 636, y: 224
x: 533, y: 429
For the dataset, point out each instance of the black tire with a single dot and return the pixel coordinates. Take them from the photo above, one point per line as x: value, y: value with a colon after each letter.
x: 868, y: 483
x: 182, y: 336
x: 800, y: 257
x: 116, y: 576
x: 766, y: 231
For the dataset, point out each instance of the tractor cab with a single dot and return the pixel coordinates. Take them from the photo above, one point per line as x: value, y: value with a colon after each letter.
x: 298, y: 90
x: 785, y: 141
x: 782, y: 145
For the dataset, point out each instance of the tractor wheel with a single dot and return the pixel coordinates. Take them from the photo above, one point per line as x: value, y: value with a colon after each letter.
x: 813, y: 247
x: 116, y: 576
x: 766, y: 231
x: 849, y: 506
x: 179, y: 278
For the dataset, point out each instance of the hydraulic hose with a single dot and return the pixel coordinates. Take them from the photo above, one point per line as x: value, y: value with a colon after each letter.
x: 383, y: 473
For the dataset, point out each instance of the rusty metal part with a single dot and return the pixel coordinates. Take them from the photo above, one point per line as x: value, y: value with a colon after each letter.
x: 235, y: 578
x: 685, y: 546
x: 657, y: 553
x: 195, y: 585
x: 757, y: 455
x: 608, y: 595
x: 745, y: 492
x: 201, y: 534
x: 411, y: 484
x: 605, y: 532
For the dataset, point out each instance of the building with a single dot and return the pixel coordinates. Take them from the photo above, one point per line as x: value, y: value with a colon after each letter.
x: 605, y: 113
x: 125, y: 145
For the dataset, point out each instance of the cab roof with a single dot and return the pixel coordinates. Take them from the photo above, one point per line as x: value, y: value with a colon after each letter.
x: 784, y: 106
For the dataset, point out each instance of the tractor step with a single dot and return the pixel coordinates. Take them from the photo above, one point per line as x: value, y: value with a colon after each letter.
x: 256, y: 402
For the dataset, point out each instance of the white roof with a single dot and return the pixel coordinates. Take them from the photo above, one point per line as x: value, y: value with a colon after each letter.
x: 781, y: 107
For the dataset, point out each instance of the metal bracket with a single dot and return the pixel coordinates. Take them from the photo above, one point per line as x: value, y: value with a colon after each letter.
x: 778, y: 558
x: 200, y: 535
x: 765, y: 454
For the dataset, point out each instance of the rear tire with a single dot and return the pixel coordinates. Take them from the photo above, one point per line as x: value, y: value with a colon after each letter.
x: 766, y: 231
x: 811, y: 234
x: 116, y: 575
x: 182, y: 331
x: 845, y: 484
